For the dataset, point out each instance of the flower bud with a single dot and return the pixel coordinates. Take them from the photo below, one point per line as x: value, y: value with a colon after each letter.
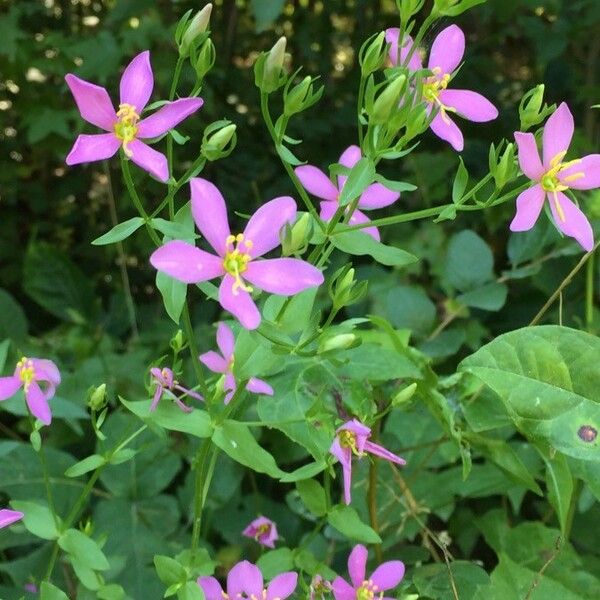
x: 268, y: 69
x: 97, y: 397
x: 177, y: 342
x: 408, y: 8
x: 404, y: 395
x: 532, y: 111
x: 295, y: 237
x: 341, y: 341
x: 219, y: 142
x: 502, y: 167
x: 373, y: 54
x: 205, y: 60
x: 344, y: 290
x: 452, y: 8
x: 387, y: 101
x: 300, y: 97
x: 197, y: 26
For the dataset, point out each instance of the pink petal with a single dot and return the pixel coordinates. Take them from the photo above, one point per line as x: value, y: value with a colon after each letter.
x: 89, y: 148
x: 529, y: 157
x: 590, y: 167
x: 240, y: 305
x: 377, y: 196
x: 283, y: 276
x: 558, y: 133
x: 316, y: 182
x: 8, y: 517
x: 444, y: 127
x: 391, y: 37
x: 93, y: 102
x: 350, y: 156
x: 359, y: 217
x: 210, y: 213
x: 211, y: 587
x: 328, y: 210
x: 380, y: 451
x: 344, y: 455
x: 225, y: 340
x: 357, y: 565
x: 230, y: 386
x: 265, y: 224
x: 258, y: 386
x: 9, y: 386
x: 156, y: 398
x: 529, y: 206
x: 347, y: 474
x: 167, y: 116
x: 245, y: 577
x: 470, y: 105
x: 38, y: 403
x: 215, y: 362
x: 137, y: 82
x: 186, y: 263
x: 149, y: 159
x: 388, y: 575
x: 342, y: 590
x: 447, y: 50
x: 282, y: 586
x: 572, y: 222
x: 356, y: 427
x: 46, y: 370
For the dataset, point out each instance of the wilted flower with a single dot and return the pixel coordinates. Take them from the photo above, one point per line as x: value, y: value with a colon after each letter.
x: 385, y: 577
x: 319, y: 185
x: 236, y: 254
x: 263, y: 530
x: 29, y: 372
x: 552, y: 177
x: 8, y: 517
x: 124, y: 125
x: 353, y: 438
x: 446, y: 54
x: 223, y: 363
x: 319, y: 588
x: 245, y: 581
x: 165, y: 380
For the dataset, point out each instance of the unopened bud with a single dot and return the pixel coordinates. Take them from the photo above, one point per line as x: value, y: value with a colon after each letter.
x: 300, y: 97
x: 341, y: 341
x: 97, y: 397
x: 177, y: 342
x: 387, y: 102
x: 372, y: 54
x: 197, y: 26
x: 220, y: 143
x: 502, y: 167
x: 532, y: 110
x: 268, y: 69
x: 206, y: 59
x: 403, y: 396
x: 344, y: 290
x: 295, y: 237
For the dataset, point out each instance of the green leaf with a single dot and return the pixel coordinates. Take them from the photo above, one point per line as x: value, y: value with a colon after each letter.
x: 359, y: 243
x: 13, y: 322
x: 174, y: 230
x: 173, y: 293
x: 288, y: 156
x: 397, y: 186
x: 85, y: 550
x: 112, y: 591
x: 169, y: 570
x: 461, y: 7
x: 235, y: 439
x: 304, y: 472
x: 167, y: 415
x: 274, y: 562
x: 371, y: 361
x: 84, y: 466
x: 346, y: 520
x: 559, y: 482
x: 190, y: 591
x: 469, y: 262
x: 549, y: 381
x: 491, y: 296
x: 313, y: 495
x: 433, y: 581
x: 460, y: 182
x: 51, y: 592
x: 119, y: 232
x: 360, y: 177
x: 38, y: 519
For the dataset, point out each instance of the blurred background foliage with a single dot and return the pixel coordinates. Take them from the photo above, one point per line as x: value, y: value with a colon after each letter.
x: 61, y: 297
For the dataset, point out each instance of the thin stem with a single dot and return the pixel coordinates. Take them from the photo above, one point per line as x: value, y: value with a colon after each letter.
x: 52, y: 561
x: 171, y: 193
x: 589, y: 293
x: 194, y: 352
x: 361, y: 98
x: 42, y: 456
x: 418, y: 38
x: 200, y: 483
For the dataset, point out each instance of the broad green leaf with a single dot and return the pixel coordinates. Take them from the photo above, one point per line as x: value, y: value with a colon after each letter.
x: 490, y: 296
x: 346, y: 520
x: 360, y: 177
x: 433, y: 581
x: 84, y: 466
x: 469, y: 262
x: 274, y: 562
x: 38, y: 519
x: 235, y: 439
x: 359, y: 243
x: 169, y: 570
x: 51, y: 592
x: 112, y: 591
x: 84, y: 549
x: 173, y: 293
x: 190, y: 591
x: 371, y: 361
x: 559, y: 482
x: 313, y: 496
x: 549, y: 381
x: 304, y: 472
x: 119, y: 232
x: 174, y: 229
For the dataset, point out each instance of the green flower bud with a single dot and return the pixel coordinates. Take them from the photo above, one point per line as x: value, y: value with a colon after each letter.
x: 372, y: 54
x: 205, y: 59
x: 408, y: 8
x: 344, y: 290
x: 177, y: 342
x: 404, y: 395
x: 532, y: 110
x: 220, y: 143
x: 269, y: 74
x: 97, y: 397
x: 502, y: 167
x: 387, y: 102
x: 295, y: 237
x: 296, y: 100
x: 341, y: 341
x: 198, y: 25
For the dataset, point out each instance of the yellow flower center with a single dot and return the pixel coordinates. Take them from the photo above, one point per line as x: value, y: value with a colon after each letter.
x: 236, y: 260
x: 551, y: 183
x: 26, y: 371
x: 347, y: 439
x: 432, y: 88
x: 126, y: 126
x: 263, y: 529
x: 368, y: 591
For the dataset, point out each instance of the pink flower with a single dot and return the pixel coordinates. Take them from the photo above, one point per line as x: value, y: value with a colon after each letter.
x: 28, y: 373
x: 124, y: 126
x: 353, y: 438
x: 245, y: 581
x: 319, y: 185
x: 391, y: 37
x: 32, y: 588
x: 223, y: 363
x: 552, y: 177
x: 446, y: 54
x: 165, y: 380
x: 8, y: 517
x: 385, y: 577
x: 236, y: 255
x: 263, y: 530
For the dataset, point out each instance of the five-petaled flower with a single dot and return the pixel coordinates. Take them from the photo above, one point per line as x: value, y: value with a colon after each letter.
x: 165, y: 381
x: 385, y: 577
x: 353, y: 438
x: 263, y: 530
x: 8, y: 517
x: 552, y: 177
x: 319, y: 185
x: 28, y: 374
x: 245, y: 582
x: 446, y: 54
x: 236, y: 260
x: 124, y: 125
x: 223, y: 363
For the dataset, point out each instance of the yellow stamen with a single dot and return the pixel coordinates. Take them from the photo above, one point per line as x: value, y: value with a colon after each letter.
x: 126, y: 126
x: 552, y: 183
x: 559, y: 209
x: 263, y: 529
x: 236, y: 260
x: 347, y: 439
x: 432, y: 88
x: 26, y: 372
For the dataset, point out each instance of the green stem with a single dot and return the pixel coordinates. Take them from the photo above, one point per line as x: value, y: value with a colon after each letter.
x: 189, y: 333
x: 171, y: 190
x: 52, y: 561
x: 199, y: 485
x: 360, y: 102
x: 589, y: 294
x: 42, y: 457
